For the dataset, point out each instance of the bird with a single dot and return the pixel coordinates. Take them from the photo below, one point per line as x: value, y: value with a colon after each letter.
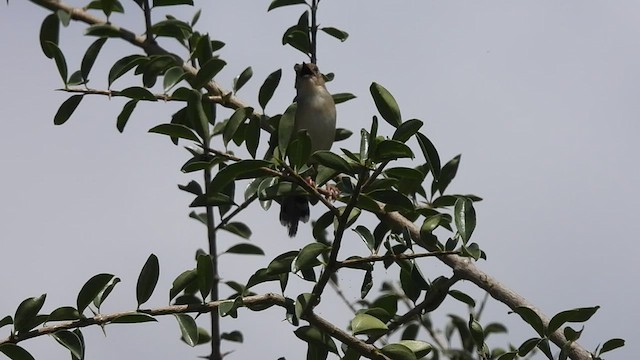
x: 315, y: 113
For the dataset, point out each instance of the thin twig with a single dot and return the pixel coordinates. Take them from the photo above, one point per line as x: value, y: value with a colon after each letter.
x: 374, y: 258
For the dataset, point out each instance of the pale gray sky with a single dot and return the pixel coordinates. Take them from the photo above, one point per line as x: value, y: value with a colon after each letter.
x: 540, y: 97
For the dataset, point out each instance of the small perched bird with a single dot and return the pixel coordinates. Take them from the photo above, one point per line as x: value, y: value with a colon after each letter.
x: 315, y: 113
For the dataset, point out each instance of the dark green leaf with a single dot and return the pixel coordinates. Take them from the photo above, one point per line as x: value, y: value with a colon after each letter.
x: 342, y: 97
x: 25, y: 316
x: 90, y: 57
x: 299, y: 40
x: 138, y: 93
x: 71, y: 342
x: 7, y: 320
x: 386, y: 104
x: 460, y: 296
x: 125, y: 114
x: 104, y: 293
x: 205, y: 274
x: 279, y: 3
x: 66, y: 109
x: 268, y: 88
x: 123, y: 65
x: 398, y: 352
x: 315, y: 336
x: 92, y: 289
x: 49, y: 32
x: 391, y: 150
x: 103, y: 30
x: 252, y: 136
x: 342, y: 134
x: 447, y: 173
x: 526, y: 347
x: 148, y: 279
x: 611, y: 345
x: 64, y: 313
x: 238, y: 117
x: 308, y: 256
x: 430, y: 154
x: 333, y: 161
x: 573, y: 316
x: 188, y: 328
x: 208, y: 72
x: 336, y: 33
x: 172, y: 2
x: 175, y: 130
x: 235, y: 336
x: 181, y: 282
x: 531, y: 318
x: 285, y: 128
x: 242, y: 79
x: 367, y: 284
x: 172, y: 76
x: 239, y: 229
x: 419, y: 348
x: 366, y: 236
x: 407, y: 129
x: 61, y: 63
x: 245, y: 249
x: 465, y: 218
x: 393, y: 200
x: 241, y: 170
x: 15, y: 352
x: 196, y: 115
x: 133, y: 319
x: 367, y: 324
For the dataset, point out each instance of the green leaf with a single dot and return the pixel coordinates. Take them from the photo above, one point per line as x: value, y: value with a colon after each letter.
x: 407, y: 129
x: 447, y: 174
x: 61, y: 63
x: 460, y: 296
x: 430, y: 154
x: 465, y: 218
x: 181, y: 282
x: 104, y: 293
x: 342, y: 97
x: 398, y: 352
x: 238, y: 117
x: 527, y: 346
x: 172, y: 2
x: 133, y: 319
x: 419, y: 348
x: 366, y: 236
x: 332, y: 161
x: 391, y: 150
x: 208, y: 71
x: 125, y: 114
x: 367, y: 324
x: 25, y: 316
x: 238, y: 228
x: 242, y: 79
x: 7, y: 320
x: 245, y: 249
x: 508, y: 356
x: 71, y: 341
x: 188, y: 328
x: 285, y: 128
x: 268, y: 88
x: 477, y: 334
x: 393, y: 200
x: 196, y: 114
x: 92, y: 289
x: 15, y: 352
x: 49, y: 32
x: 386, y: 104
x: 252, y: 136
x: 66, y: 109
x: 138, y: 93
x: 342, y: 134
x: 175, y: 130
x: 147, y: 280
x: 241, y: 170
x: 315, y: 336
x: 336, y: 33
x: 172, y: 77
x: 64, y: 313
x: 308, y: 256
x: 103, y: 30
x: 205, y: 274
x: 123, y: 66
x: 611, y: 344
x: 531, y: 318
x: 280, y: 3
x: 90, y: 57
x: 235, y: 336
x: 573, y: 316
x: 298, y: 39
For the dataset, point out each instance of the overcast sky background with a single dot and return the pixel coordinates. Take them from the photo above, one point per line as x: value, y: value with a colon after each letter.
x: 540, y: 98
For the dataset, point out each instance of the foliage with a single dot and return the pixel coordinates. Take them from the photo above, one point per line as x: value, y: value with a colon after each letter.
x: 387, y: 176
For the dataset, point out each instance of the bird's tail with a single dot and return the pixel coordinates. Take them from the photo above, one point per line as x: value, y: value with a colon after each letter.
x: 294, y: 208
